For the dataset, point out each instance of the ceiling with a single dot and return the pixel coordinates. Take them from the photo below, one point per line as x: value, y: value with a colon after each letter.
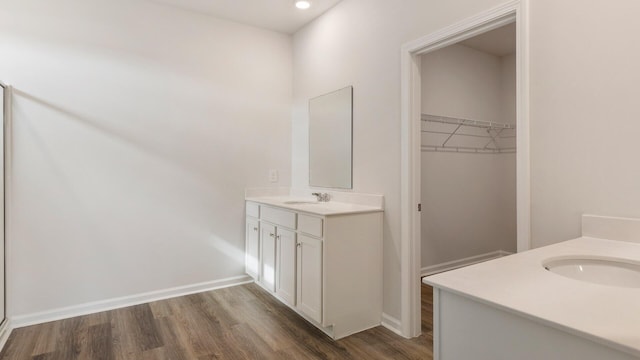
x: 278, y: 15
x: 498, y: 42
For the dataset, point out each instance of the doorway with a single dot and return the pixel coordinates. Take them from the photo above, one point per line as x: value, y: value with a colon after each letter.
x: 411, y: 108
x: 468, y: 151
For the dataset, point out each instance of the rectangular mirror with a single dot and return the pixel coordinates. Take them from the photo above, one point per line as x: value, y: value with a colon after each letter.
x: 330, y: 139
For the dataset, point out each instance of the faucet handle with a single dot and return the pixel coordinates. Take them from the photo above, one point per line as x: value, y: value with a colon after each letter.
x: 322, y: 197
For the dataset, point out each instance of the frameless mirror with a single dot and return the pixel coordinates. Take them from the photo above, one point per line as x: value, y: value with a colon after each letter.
x: 330, y: 135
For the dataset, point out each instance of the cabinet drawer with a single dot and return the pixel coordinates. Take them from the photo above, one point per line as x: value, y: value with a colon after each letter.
x: 310, y: 225
x: 253, y: 209
x: 278, y: 217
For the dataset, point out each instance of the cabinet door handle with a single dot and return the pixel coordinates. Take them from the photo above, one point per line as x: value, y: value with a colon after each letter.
x: 299, y: 244
x: 255, y: 229
x: 278, y: 237
x: 272, y: 235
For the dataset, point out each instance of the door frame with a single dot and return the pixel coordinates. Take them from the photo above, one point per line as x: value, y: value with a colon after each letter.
x: 5, y: 323
x: 512, y: 11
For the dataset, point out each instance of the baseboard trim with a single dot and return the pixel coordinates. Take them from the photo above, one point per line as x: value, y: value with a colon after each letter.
x: 116, y: 303
x: 5, y: 331
x: 450, y: 265
x: 391, y: 323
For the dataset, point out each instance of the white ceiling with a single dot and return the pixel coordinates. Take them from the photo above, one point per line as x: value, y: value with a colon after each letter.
x: 498, y: 42
x: 278, y: 15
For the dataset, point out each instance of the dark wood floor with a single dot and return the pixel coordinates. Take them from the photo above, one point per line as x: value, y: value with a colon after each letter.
x: 242, y: 322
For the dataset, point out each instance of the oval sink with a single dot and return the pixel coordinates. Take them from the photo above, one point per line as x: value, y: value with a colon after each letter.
x: 299, y: 202
x: 603, y: 271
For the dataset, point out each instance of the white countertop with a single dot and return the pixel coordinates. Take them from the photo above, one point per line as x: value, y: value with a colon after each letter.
x: 319, y: 208
x: 519, y: 283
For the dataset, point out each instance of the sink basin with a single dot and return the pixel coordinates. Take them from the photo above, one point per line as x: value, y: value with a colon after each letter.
x: 299, y: 202
x: 603, y: 271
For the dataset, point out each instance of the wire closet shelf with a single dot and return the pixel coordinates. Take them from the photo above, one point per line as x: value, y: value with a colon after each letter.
x: 449, y: 134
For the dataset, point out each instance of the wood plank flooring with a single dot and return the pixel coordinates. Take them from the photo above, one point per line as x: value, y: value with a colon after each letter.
x: 241, y: 322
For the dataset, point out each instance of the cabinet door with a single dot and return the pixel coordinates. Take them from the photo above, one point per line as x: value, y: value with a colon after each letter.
x: 268, y: 256
x: 286, y: 265
x: 309, y: 294
x: 252, y: 248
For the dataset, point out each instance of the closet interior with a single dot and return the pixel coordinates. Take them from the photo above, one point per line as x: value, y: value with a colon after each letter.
x: 468, y: 157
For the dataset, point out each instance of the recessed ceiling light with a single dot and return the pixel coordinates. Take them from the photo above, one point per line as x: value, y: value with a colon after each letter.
x: 303, y: 4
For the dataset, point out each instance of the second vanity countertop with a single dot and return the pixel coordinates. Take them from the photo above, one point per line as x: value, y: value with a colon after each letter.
x: 520, y: 284
x: 318, y: 208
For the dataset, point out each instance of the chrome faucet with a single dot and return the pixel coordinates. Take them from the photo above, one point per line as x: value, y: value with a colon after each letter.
x: 322, y: 197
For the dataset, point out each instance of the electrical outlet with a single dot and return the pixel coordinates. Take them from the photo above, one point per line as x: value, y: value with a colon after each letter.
x: 273, y: 175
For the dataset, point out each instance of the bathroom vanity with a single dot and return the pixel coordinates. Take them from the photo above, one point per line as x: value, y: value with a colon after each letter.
x: 322, y: 259
x: 578, y: 299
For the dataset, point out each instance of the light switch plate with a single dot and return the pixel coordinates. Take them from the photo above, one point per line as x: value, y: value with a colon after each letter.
x: 273, y: 175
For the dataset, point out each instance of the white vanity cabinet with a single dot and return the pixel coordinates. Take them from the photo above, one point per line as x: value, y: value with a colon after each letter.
x: 326, y: 267
x: 278, y: 253
x: 309, y: 284
x: 286, y: 265
x: 252, y: 241
x: 267, y: 257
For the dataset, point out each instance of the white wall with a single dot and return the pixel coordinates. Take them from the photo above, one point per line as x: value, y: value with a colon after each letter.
x: 358, y: 43
x: 508, y: 88
x: 468, y: 200
x: 459, y: 81
x: 137, y: 127
x: 584, y: 114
